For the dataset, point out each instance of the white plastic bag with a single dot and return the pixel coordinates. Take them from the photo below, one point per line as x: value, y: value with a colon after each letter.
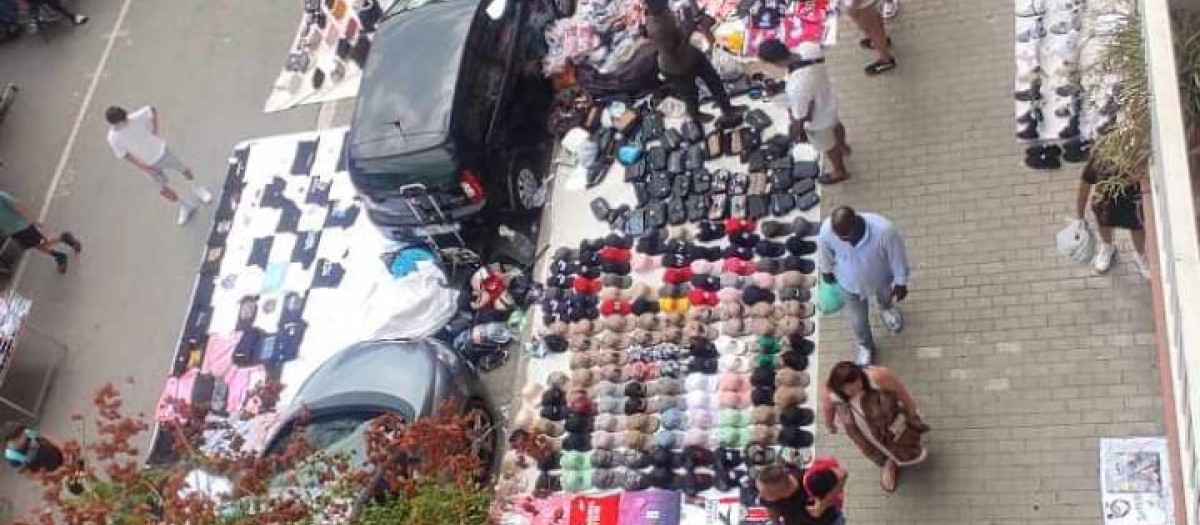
x: 727, y: 65
x: 1076, y: 242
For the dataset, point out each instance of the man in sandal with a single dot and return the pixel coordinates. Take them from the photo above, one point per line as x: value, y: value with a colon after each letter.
x: 865, y: 255
x: 866, y: 15
x: 16, y: 222
x: 811, y: 103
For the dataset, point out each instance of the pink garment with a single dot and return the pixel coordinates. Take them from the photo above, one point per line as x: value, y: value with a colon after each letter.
x: 651, y: 507
x: 177, y: 389
x: 218, y: 355
x: 241, y: 382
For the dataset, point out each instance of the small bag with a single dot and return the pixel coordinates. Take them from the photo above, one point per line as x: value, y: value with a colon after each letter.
x: 829, y: 299
x: 1076, y: 241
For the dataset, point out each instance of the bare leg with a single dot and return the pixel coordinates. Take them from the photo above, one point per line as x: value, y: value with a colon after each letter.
x: 840, y: 133
x: 837, y: 158
x: 870, y: 23
x: 169, y: 194
x: 1106, y: 234
x: 1139, y: 241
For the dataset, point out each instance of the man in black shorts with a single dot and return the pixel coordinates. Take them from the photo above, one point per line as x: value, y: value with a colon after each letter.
x: 15, y: 223
x: 1116, y: 201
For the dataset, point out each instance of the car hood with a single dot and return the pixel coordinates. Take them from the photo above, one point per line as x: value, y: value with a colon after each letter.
x: 408, y: 85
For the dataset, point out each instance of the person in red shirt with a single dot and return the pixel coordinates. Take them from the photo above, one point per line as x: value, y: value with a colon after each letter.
x: 804, y: 497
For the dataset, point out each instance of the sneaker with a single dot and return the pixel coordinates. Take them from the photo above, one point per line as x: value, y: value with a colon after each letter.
x: 80, y: 20
x: 863, y: 356
x: 1104, y: 257
x: 71, y: 240
x: 185, y: 213
x: 1143, y: 266
x: 892, y: 319
x: 203, y: 194
x: 888, y: 9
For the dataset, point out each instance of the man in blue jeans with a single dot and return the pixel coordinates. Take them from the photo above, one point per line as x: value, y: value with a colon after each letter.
x: 864, y: 254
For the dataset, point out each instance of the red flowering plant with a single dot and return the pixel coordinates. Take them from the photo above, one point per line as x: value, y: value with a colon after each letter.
x: 421, y: 472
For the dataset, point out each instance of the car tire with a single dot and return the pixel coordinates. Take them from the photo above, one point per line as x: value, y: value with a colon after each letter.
x: 481, y: 426
x: 526, y: 183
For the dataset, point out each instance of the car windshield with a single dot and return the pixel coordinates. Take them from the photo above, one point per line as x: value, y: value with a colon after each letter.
x: 432, y: 167
x: 341, y: 436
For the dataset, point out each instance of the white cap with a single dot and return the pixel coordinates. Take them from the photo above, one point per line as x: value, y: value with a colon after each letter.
x: 809, y: 50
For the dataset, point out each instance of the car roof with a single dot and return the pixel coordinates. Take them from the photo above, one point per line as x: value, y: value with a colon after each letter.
x: 407, y: 90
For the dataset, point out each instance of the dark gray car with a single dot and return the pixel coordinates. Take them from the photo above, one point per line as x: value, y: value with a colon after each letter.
x: 411, y: 379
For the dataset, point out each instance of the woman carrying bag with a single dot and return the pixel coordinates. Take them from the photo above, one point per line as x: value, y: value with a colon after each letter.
x: 876, y: 411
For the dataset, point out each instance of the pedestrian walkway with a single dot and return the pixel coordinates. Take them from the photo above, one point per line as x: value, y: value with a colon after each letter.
x: 1019, y: 360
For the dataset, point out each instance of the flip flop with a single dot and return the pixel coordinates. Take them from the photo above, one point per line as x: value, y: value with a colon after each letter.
x: 880, y: 66
x: 865, y: 43
x: 895, y: 477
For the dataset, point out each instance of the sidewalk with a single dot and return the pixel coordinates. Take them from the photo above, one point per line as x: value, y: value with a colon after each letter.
x: 1019, y: 360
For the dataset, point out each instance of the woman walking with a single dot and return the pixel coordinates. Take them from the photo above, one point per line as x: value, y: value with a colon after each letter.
x: 878, y: 414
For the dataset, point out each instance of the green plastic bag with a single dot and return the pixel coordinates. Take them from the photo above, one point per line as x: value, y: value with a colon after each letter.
x: 829, y: 298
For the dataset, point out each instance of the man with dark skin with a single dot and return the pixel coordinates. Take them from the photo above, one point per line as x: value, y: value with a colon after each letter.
x: 681, y: 64
x: 865, y: 255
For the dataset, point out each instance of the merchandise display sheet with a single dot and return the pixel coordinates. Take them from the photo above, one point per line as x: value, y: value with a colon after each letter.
x: 288, y: 274
x: 566, y: 224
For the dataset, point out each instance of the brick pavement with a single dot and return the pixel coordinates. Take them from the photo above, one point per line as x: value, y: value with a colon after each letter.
x: 1019, y: 360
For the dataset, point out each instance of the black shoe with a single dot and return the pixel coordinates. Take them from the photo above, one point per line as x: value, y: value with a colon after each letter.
x: 702, y: 118
x: 70, y: 240
x: 61, y: 260
x: 1069, y: 132
x: 1029, y: 133
x: 1030, y: 94
x: 729, y: 120
x: 879, y: 67
x: 1031, y: 116
x: 1068, y: 90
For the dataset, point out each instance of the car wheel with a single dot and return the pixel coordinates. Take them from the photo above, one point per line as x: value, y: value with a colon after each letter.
x: 481, y: 429
x: 526, y: 190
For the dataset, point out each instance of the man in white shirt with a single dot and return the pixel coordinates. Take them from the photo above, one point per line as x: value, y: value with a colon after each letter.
x: 811, y: 103
x: 865, y: 255
x: 134, y: 137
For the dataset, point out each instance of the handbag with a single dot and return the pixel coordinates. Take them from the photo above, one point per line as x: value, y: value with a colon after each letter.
x: 829, y: 299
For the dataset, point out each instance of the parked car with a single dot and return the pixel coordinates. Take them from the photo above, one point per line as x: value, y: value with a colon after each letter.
x: 411, y: 379
x: 451, y: 114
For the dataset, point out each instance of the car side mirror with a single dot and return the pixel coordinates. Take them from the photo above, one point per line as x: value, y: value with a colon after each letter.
x: 496, y: 9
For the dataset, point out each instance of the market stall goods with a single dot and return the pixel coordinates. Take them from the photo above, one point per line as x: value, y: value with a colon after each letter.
x: 327, y: 56
x: 1054, y: 113
x: 678, y: 346
x: 290, y: 275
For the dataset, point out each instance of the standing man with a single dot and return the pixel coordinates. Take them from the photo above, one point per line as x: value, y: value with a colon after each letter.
x: 134, y: 137
x: 869, y: 20
x: 1119, y: 207
x: 864, y: 254
x: 681, y: 64
x: 15, y: 222
x: 796, y: 497
x: 811, y: 103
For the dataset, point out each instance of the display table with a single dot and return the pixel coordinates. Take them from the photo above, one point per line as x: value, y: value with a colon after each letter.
x: 16, y: 334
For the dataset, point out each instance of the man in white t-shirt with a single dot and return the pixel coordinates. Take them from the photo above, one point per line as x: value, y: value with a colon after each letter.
x: 811, y: 103
x: 134, y: 137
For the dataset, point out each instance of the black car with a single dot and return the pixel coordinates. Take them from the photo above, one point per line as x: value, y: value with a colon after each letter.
x: 451, y: 113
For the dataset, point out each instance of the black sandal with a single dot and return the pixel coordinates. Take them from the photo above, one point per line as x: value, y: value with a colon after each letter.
x: 880, y: 66
x: 865, y: 43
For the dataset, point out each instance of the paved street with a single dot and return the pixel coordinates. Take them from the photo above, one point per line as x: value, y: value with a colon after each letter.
x: 1019, y: 360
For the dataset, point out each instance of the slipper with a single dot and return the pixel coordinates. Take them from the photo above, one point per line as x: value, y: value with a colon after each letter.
x: 865, y: 43
x: 895, y: 477
x: 830, y: 179
x: 880, y: 66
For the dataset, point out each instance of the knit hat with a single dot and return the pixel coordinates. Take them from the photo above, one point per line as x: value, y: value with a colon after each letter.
x: 703, y: 314
x: 734, y: 363
x: 574, y: 460
x: 698, y: 399
x: 789, y: 377
x: 731, y: 417
x: 762, y: 376
x: 606, y: 422
x: 794, y: 279
x: 551, y: 461
x: 788, y: 396
x: 732, y: 280
x: 577, y: 442
x: 605, y: 440
x: 769, y: 265
x: 733, y: 399
x: 764, y: 361
x: 798, y: 246
x: 637, y: 440
x: 799, y: 457
x: 800, y: 344
x: 576, y: 480
x: 605, y: 479
x: 576, y: 424
x: 646, y: 423
x: 791, y: 436
x: 703, y: 267
x: 731, y: 310
x: 763, y: 280
x: 668, y: 439
x: 752, y: 295
x: 660, y: 404
x: 796, y: 416
x: 634, y: 459
x: 700, y: 382
x: 732, y: 382
x: 733, y: 436
x: 664, y: 386
x: 762, y: 434
x: 734, y: 327
x: 727, y: 345
x: 661, y: 457
x: 766, y: 248
x: 548, y: 483
x: 762, y: 415
x: 633, y: 481
x: 607, y: 405
x: 696, y: 437
x: 674, y: 419
x: 635, y: 405
x: 703, y: 365
x: 799, y: 263
x: 662, y: 478
x: 707, y: 231
x: 763, y: 395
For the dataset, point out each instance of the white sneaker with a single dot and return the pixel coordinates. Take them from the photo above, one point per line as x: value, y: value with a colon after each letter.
x: 863, y: 356
x: 888, y: 9
x: 892, y: 319
x: 1104, y: 257
x: 185, y: 213
x: 203, y: 194
x: 1143, y: 266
